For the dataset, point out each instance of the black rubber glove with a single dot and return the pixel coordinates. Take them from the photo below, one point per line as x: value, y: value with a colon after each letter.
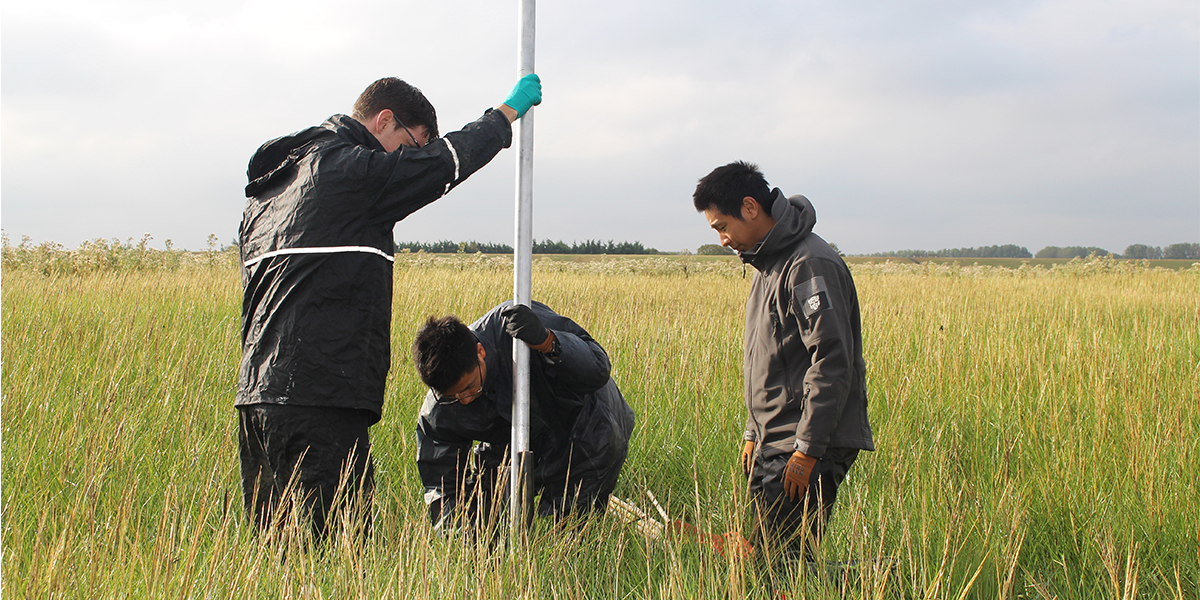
x: 521, y: 323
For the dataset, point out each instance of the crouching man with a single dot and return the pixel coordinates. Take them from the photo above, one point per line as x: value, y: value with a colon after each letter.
x: 579, y: 422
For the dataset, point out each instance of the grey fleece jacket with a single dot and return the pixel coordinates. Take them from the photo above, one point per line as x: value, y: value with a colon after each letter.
x: 804, y: 371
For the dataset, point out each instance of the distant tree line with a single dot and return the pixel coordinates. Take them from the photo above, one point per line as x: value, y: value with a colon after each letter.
x: 719, y: 250
x: 591, y: 247
x: 1137, y: 251
x: 1071, y: 252
x: 1005, y: 251
x: 1185, y: 251
x: 714, y: 250
x: 539, y: 247
x: 448, y: 247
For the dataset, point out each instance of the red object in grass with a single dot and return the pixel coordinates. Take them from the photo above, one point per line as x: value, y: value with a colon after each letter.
x: 733, y: 540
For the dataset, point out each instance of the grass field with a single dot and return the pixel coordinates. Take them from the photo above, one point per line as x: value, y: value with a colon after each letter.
x: 1037, y: 435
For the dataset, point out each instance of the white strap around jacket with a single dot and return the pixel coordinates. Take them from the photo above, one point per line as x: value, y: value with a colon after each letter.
x: 319, y: 250
x: 454, y: 155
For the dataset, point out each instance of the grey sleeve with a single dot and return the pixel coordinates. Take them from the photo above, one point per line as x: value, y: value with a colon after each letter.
x: 820, y: 309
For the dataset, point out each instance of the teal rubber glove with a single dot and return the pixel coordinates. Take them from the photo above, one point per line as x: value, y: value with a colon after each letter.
x: 527, y: 93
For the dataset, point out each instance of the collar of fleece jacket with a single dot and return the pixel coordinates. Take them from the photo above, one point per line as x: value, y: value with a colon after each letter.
x: 794, y: 219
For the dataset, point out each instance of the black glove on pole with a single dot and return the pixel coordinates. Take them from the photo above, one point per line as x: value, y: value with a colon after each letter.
x: 521, y: 323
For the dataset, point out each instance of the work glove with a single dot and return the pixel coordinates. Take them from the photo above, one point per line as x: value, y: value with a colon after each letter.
x: 748, y: 456
x: 527, y: 93
x: 796, y: 475
x: 521, y: 323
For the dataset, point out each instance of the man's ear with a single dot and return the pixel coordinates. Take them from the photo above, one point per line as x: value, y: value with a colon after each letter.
x: 480, y: 351
x: 750, y: 209
x: 379, y: 124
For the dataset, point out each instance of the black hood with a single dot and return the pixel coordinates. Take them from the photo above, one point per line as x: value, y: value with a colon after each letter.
x: 794, y: 219
x: 277, y: 157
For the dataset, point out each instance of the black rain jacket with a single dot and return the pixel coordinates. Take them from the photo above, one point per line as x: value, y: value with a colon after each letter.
x: 317, y: 252
x: 805, y: 376
x: 579, y: 423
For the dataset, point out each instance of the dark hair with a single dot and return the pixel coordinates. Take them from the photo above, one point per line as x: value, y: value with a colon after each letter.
x: 406, y: 102
x: 725, y: 187
x: 444, y: 352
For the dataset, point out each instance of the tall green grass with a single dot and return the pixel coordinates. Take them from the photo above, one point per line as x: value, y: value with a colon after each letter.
x: 1037, y: 433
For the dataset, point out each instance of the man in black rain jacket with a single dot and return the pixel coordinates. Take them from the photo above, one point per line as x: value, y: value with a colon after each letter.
x: 579, y: 422
x: 805, y: 378
x: 317, y: 253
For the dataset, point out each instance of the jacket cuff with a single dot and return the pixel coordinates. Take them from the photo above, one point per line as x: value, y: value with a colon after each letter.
x: 503, y: 121
x: 552, y: 354
x: 808, y: 448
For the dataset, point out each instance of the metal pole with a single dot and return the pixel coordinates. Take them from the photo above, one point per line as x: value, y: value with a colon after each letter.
x: 521, y: 459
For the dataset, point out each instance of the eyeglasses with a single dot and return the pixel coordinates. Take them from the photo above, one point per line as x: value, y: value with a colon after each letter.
x: 410, y: 135
x: 464, y: 395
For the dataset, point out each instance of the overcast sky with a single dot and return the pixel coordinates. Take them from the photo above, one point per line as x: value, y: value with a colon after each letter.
x: 910, y: 125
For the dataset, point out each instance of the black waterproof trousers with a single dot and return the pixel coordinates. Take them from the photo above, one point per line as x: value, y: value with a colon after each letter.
x: 781, y: 521
x: 313, y: 459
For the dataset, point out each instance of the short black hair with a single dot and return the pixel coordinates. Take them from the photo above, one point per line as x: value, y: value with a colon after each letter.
x: 406, y: 102
x: 444, y: 352
x: 725, y: 187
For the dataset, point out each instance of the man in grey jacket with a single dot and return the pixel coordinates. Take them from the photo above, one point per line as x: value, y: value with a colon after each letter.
x: 579, y: 422
x: 805, y: 379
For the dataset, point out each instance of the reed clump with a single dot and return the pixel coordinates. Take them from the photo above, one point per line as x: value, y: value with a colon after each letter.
x: 111, y: 255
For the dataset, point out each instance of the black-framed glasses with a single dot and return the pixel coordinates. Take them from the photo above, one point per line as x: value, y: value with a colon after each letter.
x: 406, y: 130
x: 464, y: 395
